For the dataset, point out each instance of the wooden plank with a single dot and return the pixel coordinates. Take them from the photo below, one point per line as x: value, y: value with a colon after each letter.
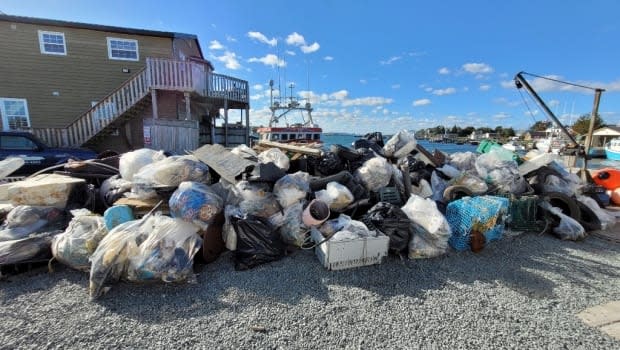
x: 297, y: 149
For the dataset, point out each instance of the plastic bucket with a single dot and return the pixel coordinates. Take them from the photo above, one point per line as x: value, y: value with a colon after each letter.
x: 315, y: 213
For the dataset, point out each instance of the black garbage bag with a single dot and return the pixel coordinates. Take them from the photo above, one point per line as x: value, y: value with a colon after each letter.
x: 329, y: 164
x: 393, y: 222
x: 258, y: 242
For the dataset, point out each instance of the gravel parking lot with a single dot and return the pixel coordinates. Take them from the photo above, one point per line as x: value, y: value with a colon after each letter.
x: 520, y: 292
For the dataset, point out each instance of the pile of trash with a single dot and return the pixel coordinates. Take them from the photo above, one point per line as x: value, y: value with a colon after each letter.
x: 145, y: 216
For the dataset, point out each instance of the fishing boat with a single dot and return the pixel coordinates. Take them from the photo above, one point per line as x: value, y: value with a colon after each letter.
x: 305, y: 132
x: 514, y: 146
x: 612, y: 149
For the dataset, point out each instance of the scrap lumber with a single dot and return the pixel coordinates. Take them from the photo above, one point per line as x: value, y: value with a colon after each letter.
x: 295, y: 149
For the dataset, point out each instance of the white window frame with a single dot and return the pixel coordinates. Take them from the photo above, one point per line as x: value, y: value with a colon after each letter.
x: 123, y: 58
x: 3, y: 114
x: 42, y: 43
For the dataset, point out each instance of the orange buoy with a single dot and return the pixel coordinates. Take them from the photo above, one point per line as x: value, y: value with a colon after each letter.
x: 607, y: 177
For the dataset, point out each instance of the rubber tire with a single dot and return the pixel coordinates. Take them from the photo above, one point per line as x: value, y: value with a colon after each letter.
x: 567, y: 204
x: 452, y: 193
x: 588, y: 218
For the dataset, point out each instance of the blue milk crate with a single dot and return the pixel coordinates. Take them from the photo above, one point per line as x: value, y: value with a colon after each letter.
x: 488, y: 213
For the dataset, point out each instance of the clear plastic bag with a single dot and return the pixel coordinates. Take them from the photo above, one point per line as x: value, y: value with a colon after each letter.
x: 463, y: 161
x: 245, y: 152
x: 195, y: 202
x: 110, y: 259
x: 471, y: 181
x: 354, y: 230
x: 228, y: 231
x: 375, y: 173
x: 330, y: 227
x: 292, y: 188
x: 33, y: 248
x: 131, y: 162
x: 337, y: 196
x: 167, y: 253
x: 24, y: 220
x: 424, y: 189
x: 168, y: 172
x: 430, y: 226
x: 400, y: 145
x: 438, y: 185
x: 607, y: 220
x: 502, y: 173
x: 80, y: 240
x: 569, y: 228
x: 256, y: 199
x: 449, y: 171
x: 276, y: 156
x: 291, y: 230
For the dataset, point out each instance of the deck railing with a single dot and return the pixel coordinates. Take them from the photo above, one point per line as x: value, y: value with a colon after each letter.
x: 159, y: 73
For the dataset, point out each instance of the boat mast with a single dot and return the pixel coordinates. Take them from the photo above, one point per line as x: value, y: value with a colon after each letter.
x: 276, y: 107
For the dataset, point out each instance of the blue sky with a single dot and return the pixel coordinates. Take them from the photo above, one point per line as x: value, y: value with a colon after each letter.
x: 388, y: 65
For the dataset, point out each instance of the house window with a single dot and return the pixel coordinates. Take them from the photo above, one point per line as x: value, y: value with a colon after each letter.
x: 52, y: 43
x: 14, y: 113
x: 123, y: 49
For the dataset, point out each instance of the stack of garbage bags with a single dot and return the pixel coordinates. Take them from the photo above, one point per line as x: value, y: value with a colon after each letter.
x: 270, y: 202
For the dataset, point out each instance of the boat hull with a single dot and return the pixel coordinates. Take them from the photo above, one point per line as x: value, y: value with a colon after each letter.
x: 611, y: 154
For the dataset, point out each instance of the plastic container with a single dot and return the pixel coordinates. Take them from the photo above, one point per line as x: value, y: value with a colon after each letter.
x: 340, y: 255
x: 117, y: 215
x: 315, y: 213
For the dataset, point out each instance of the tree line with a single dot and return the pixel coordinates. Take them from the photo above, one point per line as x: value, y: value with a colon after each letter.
x: 580, y: 127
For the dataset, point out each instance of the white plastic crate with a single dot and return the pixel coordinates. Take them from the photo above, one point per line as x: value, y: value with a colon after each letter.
x: 340, y: 255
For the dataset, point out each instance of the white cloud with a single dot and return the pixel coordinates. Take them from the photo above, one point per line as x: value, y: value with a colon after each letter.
x: 485, y: 87
x: 477, y: 68
x: 466, y: 88
x: 553, y: 103
x: 290, y: 53
x: 422, y: 102
x: 230, y: 60
x: 262, y: 38
x: 328, y: 58
x: 443, y: 70
x: 446, y: 91
x: 543, y: 85
x: 391, y: 60
x: 363, y: 81
x: 310, y: 48
x: 500, y: 116
x: 295, y: 39
x: 231, y: 38
x: 396, y: 86
x: 257, y: 87
x: 269, y: 60
x: 428, y: 89
x: 215, y: 45
x: 339, y: 95
x: 531, y: 113
x: 367, y: 101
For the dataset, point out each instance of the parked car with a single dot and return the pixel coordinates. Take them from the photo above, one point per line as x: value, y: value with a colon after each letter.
x: 36, y: 154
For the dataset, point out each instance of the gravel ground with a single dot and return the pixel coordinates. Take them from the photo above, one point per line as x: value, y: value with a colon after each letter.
x: 521, y: 292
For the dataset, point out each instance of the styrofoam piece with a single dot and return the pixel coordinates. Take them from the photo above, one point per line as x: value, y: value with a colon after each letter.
x: 340, y: 255
x: 43, y: 190
x: 539, y: 161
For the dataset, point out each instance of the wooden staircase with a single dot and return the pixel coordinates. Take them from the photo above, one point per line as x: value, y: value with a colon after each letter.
x: 134, y: 95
